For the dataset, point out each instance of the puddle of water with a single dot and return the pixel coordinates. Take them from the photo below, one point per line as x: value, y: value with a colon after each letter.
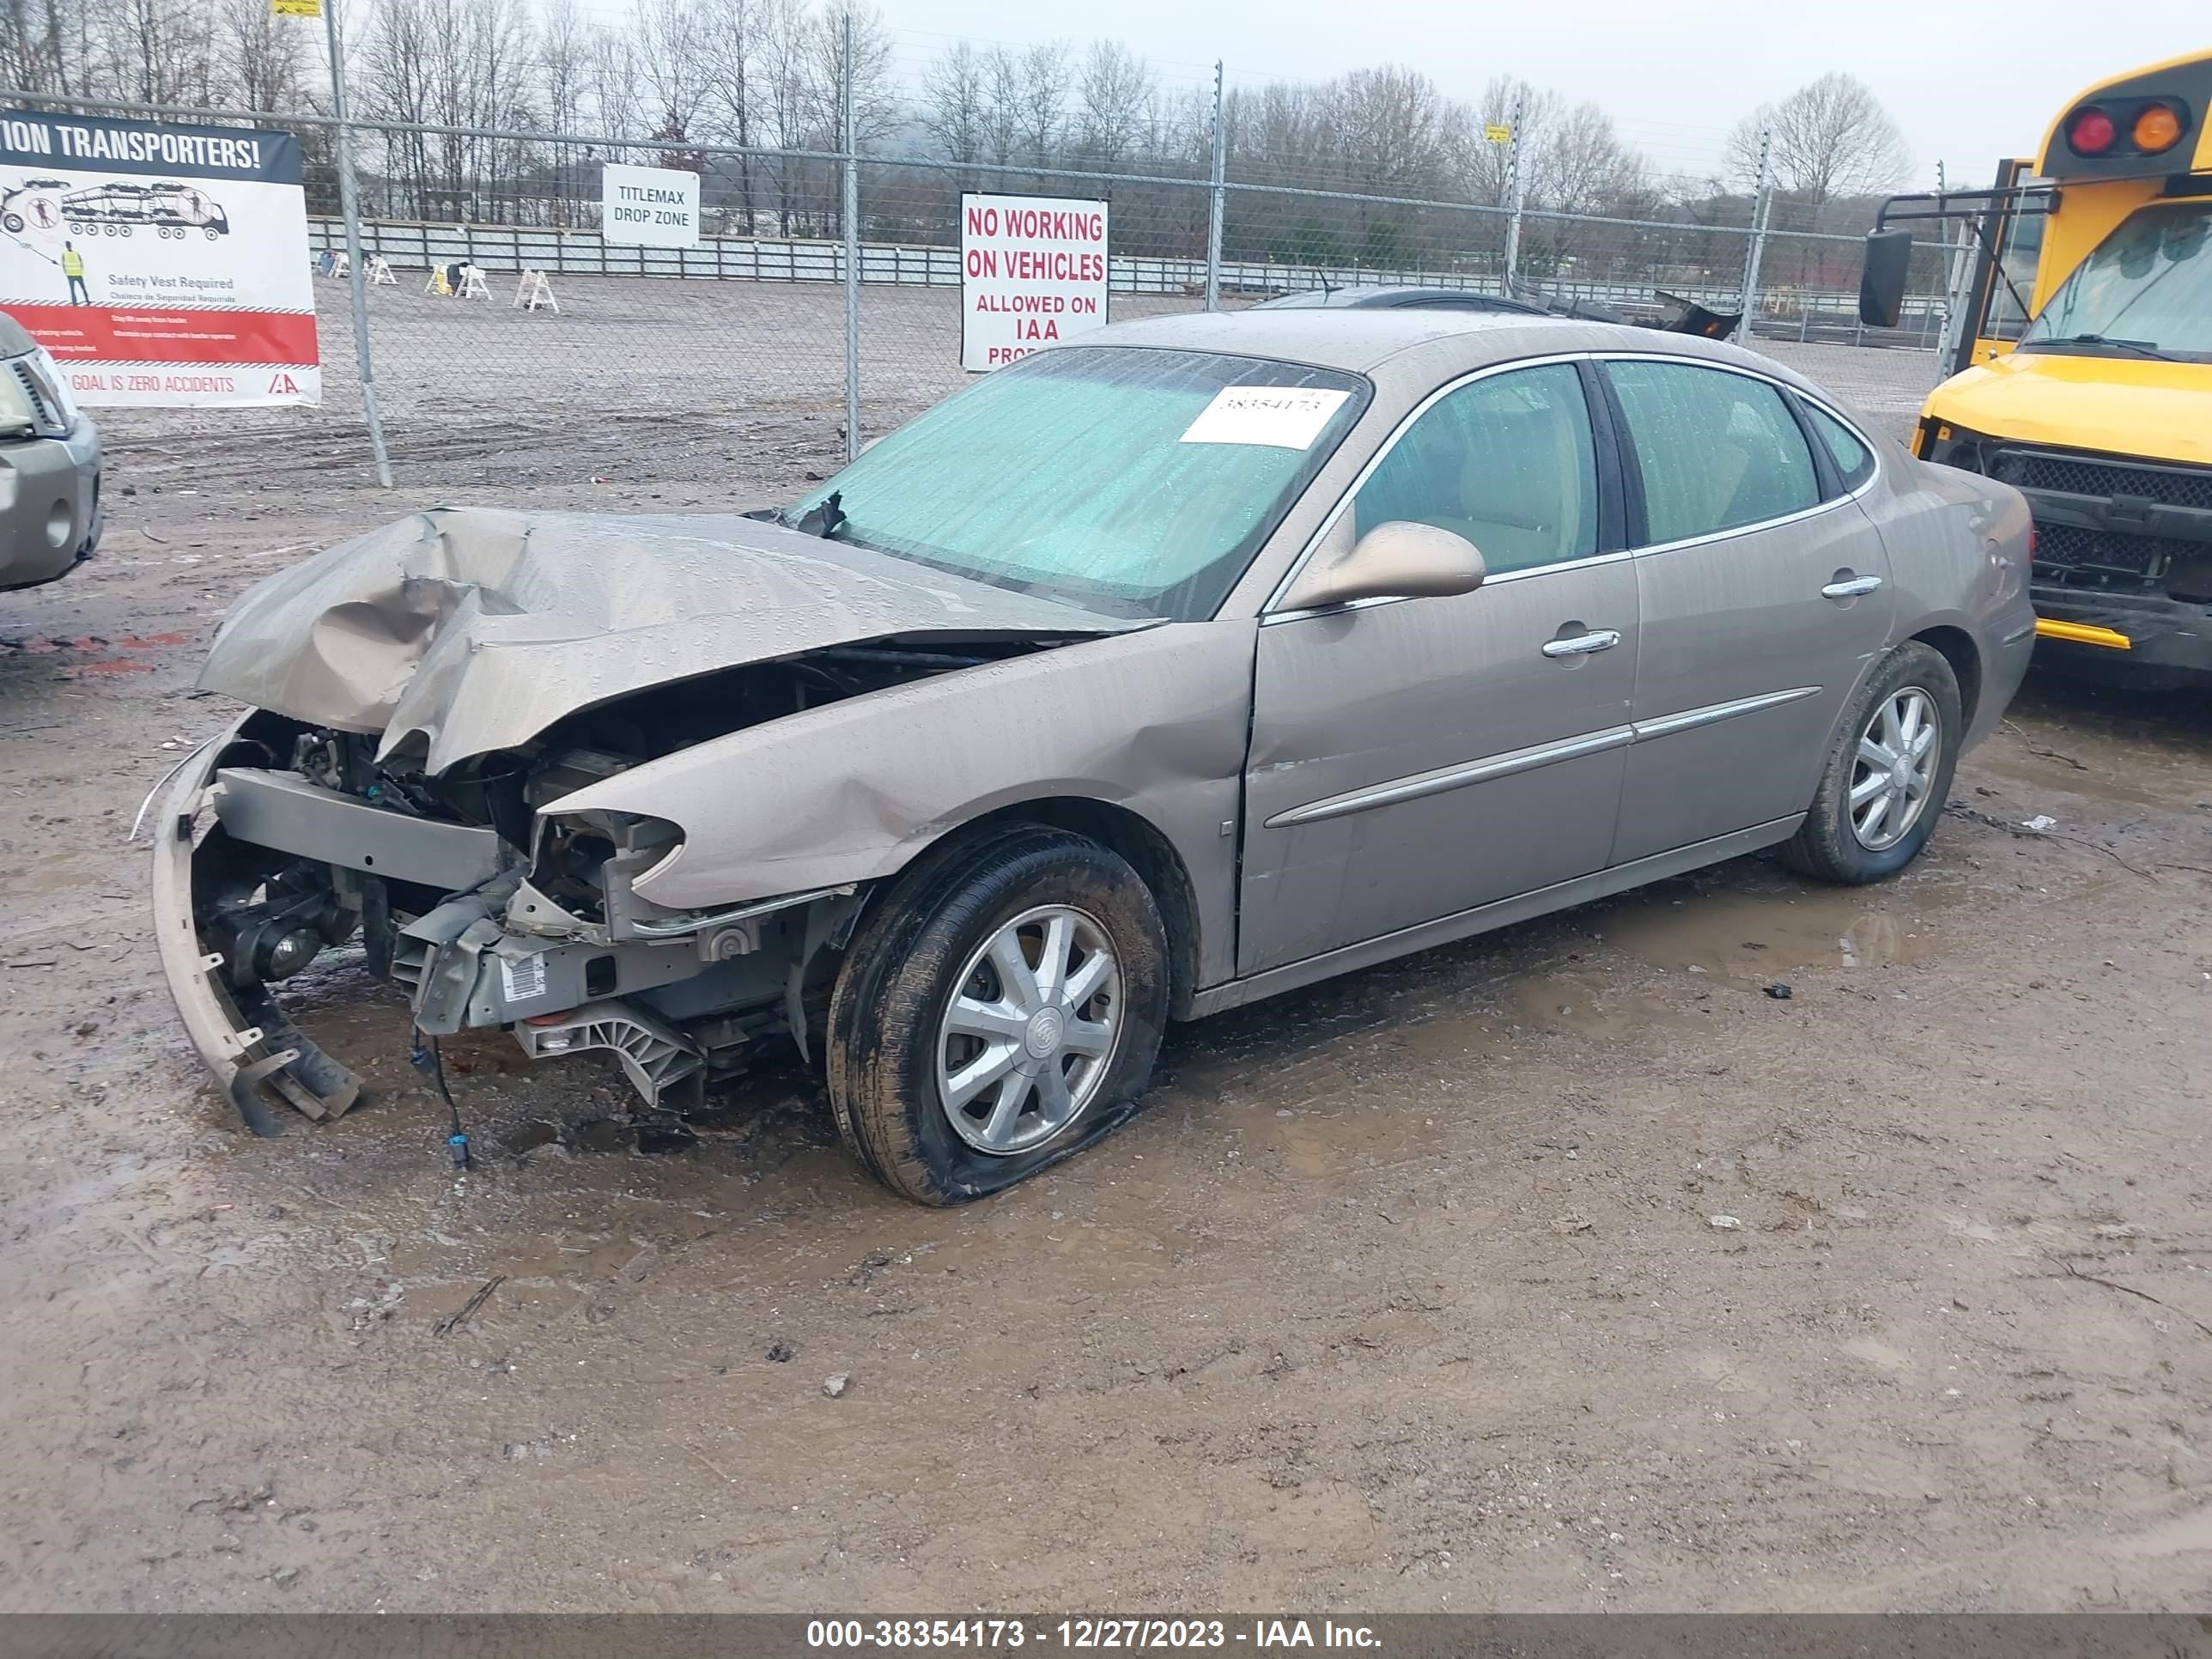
x: 2036, y: 779
x: 1747, y: 939
x: 1586, y: 1004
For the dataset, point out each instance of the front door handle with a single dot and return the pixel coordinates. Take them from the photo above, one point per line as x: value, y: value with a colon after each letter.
x: 1852, y: 587
x: 1580, y: 644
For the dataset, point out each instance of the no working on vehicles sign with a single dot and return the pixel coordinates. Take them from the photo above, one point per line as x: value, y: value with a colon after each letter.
x: 1032, y: 270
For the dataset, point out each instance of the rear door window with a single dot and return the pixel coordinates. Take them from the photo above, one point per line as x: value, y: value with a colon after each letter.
x: 1716, y: 451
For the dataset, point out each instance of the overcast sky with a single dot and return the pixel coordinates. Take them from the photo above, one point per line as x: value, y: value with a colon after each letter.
x: 1967, y: 83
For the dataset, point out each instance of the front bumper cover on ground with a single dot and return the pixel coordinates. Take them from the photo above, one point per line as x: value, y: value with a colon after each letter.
x: 2170, y: 638
x: 243, y: 1037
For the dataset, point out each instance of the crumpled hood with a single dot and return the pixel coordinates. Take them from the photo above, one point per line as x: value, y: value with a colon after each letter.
x: 477, y: 628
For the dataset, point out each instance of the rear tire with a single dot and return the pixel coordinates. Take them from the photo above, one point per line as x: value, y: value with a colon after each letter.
x: 1872, y: 815
x: 923, y: 968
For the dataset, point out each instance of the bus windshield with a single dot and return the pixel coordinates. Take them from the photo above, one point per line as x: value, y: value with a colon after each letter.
x: 2146, y: 292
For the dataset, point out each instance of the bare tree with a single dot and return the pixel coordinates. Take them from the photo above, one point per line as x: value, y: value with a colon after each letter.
x: 1045, y: 90
x: 1282, y: 133
x: 617, y: 83
x: 1112, y: 95
x: 676, y: 63
x: 156, y: 52
x: 1530, y: 114
x: 734, y: 45
x: 876, y: 107
x: 1390, y: 127
x: 564, y: 77
x: 564, y: 56
x: 1002, y: 106
x: 46, y: 46
x: 263, y: 58
x: 1831, y: 137
x: 956, y: 104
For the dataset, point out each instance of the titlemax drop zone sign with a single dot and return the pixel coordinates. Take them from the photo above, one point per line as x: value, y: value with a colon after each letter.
x: 649, y: 207
x: 159, y: 263
x: 1032, y: 270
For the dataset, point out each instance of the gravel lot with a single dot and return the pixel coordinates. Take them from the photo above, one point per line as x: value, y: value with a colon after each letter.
x: 478, y: 392
x: 1404, y: 1293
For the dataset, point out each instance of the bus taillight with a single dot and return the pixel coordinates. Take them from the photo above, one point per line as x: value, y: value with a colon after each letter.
x: 2091, y: 132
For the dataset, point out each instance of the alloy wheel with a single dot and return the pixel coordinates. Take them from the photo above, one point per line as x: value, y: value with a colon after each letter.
x: 1030, y: 1032
x: 1893, y: 773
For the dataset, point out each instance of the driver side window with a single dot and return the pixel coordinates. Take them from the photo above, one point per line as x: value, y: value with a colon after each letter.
x: 1507, y: 462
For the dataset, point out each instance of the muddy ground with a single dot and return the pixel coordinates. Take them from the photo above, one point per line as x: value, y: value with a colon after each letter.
x: 1404, y: 1293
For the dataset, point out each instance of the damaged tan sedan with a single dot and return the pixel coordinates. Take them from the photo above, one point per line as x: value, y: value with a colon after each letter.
x: 1193, y: 662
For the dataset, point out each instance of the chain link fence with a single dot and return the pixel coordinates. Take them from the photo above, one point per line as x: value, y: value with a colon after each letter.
x: 790, y: 310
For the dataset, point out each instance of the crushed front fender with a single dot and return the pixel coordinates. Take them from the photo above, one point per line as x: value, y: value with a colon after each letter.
x: 258, y: 1056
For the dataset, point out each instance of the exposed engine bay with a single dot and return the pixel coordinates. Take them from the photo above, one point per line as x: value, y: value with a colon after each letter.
x: 471, y: 890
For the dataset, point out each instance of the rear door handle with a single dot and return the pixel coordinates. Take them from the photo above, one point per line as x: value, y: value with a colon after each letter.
x: 1580, y: 644
x: 1856, y: 588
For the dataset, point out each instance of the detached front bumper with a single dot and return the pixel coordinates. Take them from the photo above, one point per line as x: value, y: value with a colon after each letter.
x: 243, y: 1037
x: 2144, y: 638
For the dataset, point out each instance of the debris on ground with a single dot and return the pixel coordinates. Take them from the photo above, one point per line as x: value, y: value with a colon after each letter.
x: 1779, y: 991
x: 2040, y: 822
x: 1571, y: 1224
x: 782, y: 1353
x: 453, y: 1322
x: 1726, y: 1223
x: 662, y: 1139
x: 836, y: 1382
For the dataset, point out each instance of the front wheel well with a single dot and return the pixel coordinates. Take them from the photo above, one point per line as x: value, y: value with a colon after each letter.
x: 1957, y: 648
x: 1141, y: 845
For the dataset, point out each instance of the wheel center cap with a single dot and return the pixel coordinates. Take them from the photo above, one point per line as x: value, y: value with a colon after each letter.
x: 1900, y: 775
x: 1043, y: 1038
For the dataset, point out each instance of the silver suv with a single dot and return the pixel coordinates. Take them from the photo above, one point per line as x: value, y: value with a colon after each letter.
x: 49, y: 466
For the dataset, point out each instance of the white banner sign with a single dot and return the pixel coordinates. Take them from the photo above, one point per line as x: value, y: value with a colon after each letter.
x: 1032, y: 270
x: 161, y: 264
x: 650, y: 207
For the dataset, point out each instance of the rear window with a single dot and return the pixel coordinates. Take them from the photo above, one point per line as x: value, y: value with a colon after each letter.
x: 1854, y: 460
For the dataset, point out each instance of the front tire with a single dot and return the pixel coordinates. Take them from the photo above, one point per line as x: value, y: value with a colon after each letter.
x: 999, y: 1010
x: 1888, y: 773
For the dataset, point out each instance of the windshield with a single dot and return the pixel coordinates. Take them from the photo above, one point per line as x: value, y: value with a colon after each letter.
x: 1134, y: 481
x: 2146, y: 291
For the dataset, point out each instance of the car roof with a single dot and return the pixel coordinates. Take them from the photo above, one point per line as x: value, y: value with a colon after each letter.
x: 1363, y: 339
x: 1360, y: 295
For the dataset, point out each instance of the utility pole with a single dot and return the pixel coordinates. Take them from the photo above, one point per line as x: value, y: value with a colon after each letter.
x: 356, y: 278
x: 1762, y: 202
x: 851, y: 255
x: 1515, y: 194
x: 1215, y: 198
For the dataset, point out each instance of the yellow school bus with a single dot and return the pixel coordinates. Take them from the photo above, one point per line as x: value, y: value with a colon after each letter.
x: 2082, y: 365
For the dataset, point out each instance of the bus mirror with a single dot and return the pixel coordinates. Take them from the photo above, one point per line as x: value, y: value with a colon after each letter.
x: 1881, y: 279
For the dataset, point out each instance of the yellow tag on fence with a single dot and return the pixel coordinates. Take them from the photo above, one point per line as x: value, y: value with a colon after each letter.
x: 1495, y: 135
x: 295, y: 8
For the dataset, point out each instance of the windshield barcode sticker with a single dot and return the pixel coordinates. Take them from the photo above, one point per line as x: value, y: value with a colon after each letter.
x: 1280, y: 416
x: 522, y: 978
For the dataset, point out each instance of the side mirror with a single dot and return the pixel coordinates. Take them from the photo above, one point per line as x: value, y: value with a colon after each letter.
x: 1399, y: 560
x: 1882, y: 278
